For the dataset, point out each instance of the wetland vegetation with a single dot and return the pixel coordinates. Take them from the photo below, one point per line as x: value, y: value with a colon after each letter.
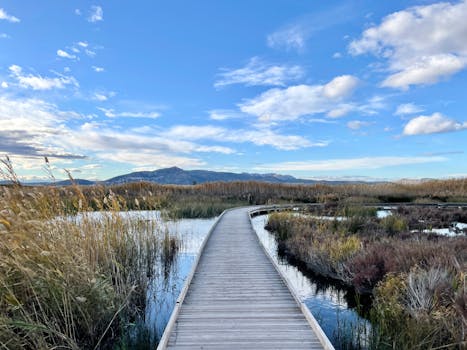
x: 416, y: 279
x: 82, y: 283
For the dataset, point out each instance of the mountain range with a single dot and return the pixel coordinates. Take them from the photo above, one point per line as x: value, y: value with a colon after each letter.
x: 177, y: 176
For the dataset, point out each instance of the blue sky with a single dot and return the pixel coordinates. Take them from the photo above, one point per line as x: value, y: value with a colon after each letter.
x: 332, y: 89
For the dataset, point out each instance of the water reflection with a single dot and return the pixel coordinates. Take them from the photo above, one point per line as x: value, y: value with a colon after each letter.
x: 169, y: 277
x: 333, y: 305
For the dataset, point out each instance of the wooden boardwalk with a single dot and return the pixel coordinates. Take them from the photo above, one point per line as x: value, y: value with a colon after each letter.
x: 236, y: 298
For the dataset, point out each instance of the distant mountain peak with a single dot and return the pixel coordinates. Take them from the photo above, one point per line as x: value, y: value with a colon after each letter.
x: 177, y: 176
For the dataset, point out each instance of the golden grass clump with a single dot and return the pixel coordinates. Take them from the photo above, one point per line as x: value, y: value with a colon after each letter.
x: 71, y: 282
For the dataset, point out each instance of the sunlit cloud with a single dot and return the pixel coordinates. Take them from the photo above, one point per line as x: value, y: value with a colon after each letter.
x: 436, y: 123
x: 422, y: 44
x: 300, y: 100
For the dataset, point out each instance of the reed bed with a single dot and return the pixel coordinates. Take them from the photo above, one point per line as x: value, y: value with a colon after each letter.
x: 72, y: 282
x: 417, y: 280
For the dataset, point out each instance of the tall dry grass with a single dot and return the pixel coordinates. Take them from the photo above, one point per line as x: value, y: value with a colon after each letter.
x: 71, y: 282
x: 418, y: 280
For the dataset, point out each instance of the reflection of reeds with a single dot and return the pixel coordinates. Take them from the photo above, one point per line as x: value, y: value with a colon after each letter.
x: 71, y: 283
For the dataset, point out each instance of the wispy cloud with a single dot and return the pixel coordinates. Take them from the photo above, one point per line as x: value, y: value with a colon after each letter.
x: 357, y: 124
x: 436, y: 123
x: 225, y: 114
x: 421, y: 44
x: 110, y: 113
x: 294, y: 36
x: 64, y: 54
x: 408, y: 108
x: 300, y: 100
x: 348, y: 164
x: 5, y: 16
x: 258, y: 72
x: 96, y: 14
x: 37, y: 82
x: 371, y: 106
x: 98, y: 69
x: 290, y: 37
x: 102, y: 96
x: 264, y: 136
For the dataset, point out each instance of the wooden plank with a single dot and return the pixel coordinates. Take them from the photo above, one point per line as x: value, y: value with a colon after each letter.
x: 236, y: 298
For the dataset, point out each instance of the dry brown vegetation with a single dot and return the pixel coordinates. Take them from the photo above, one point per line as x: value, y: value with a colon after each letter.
x: 418, y: 280
x: 211, y: 199
x: 71, y: 283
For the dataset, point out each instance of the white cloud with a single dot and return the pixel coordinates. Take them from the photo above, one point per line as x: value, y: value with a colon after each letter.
x: 64, y: 54
x: 422, y: 44
x: 339, y: 87
x: 37, y: 82
x: 98, y: 69
x: 337, y: 55
x: 110, y: 113
x: 4, y: 36
x: 296, y: 101
x: 257, y: 72
x: 348, y: 164
x: 291, y: 37
x: 357, y: 124
x: 224, y: 114
x: 4, y: 85
x: 436, y: 123
x: 33, y: 128
x: 408, y: 108
x: 428, y: 70
x: 103, y: 95
x: 100, y: 97
x: 104, y: 141
x: 5, y: 16
x: 96, y: 14
x: 257, y: 136
x: 340, y: 111
x: 90, y: 53
x: 83, y: 44
x: 370, y: 107
x: 78, y: 12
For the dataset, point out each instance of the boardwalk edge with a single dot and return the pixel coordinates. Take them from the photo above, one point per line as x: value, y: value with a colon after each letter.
x: 173, y: 317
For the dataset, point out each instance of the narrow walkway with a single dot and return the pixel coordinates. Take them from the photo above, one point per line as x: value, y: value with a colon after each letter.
x: 237, y: 299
